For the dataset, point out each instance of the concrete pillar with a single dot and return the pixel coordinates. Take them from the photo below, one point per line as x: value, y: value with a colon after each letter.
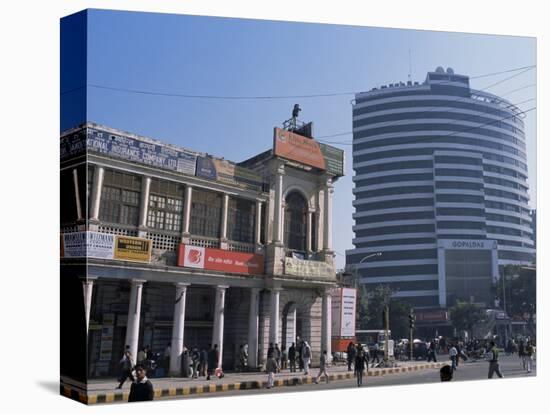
x: 327, y: 236
x: 278, y: 216
x: 253, y: 321
x: 326, y: 324
x: 274, y: 317
x: 97, y: 185
x: 77, y: 195
x: 144, y: 202
x: 219, y: 309
x: 258, y: 234
x: 134, y: 312
x: 309, y: 231
x: 178, y: 328
x: 442, y: 282
x: 87, y: 286
x: 187, y: 211
x: 225, y: 208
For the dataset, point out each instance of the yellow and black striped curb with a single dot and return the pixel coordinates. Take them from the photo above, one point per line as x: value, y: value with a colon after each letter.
x: 80, y: 395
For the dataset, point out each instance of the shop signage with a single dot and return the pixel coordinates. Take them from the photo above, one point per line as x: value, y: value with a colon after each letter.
x: 88, y: 244
x: 334, y: 158
x: 132, y: 249
x: 221, y: 260
x: 297, y: 148
x: 96, y: 245
x: 72, y: 145
x: 438, y: 315
x: 308, y: 268
x: 343, y: 312
x: 141, y: 151
x: 227, y: 172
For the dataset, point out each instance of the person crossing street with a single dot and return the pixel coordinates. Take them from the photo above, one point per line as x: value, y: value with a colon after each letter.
x: 493, y: 361
x: 323, y: 362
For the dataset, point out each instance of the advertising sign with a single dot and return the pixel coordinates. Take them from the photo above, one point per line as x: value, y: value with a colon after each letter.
x: 334, y: 158
x: 308, y: 268
x: 132, y: 249
x: 343, y: 312
x: 438, y: 315
x: 227, y: 172
x: 72, y: 145
x: 467, y: 244
x: 88, y: 244
x: 222, y: 260
x: 297, y: 148
x: 141, y: 151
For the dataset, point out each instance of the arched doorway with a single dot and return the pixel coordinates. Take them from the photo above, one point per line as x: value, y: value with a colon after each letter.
x: 295, y: 230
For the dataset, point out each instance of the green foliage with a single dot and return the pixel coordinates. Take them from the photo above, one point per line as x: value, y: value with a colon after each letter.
x: 465, y: 315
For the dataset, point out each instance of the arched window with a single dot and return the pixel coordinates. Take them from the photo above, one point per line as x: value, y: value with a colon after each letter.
x: 295, y: 221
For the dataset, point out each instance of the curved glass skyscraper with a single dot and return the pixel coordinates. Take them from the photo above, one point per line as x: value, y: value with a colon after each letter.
x: 440, y: 189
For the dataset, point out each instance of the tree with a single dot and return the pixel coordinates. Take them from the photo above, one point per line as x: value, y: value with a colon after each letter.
x: 465, y: 315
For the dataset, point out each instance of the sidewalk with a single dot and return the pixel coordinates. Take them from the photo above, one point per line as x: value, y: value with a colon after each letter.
x: 103, y: 391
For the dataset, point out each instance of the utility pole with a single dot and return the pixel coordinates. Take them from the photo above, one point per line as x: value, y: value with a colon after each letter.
x: 386, y: 332
x: 411, y: 329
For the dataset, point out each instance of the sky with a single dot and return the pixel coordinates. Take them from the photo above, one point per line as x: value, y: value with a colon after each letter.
x: 194, y: 55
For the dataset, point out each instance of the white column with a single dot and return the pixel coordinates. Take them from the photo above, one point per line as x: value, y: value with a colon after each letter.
x: 327, y: 236
x: 219, y: 309
x: 277, y: 222
x: 274, y: 318
x: 96, y: 192
x: 176, y: 348
x: 258, y: 235
x: 326, y: 325
x: 309, y: 231
x: 134, y: 312
x: 187, y: 210
x: 253, y: 321
x: 87, y: 286
x: 144, y: 202
x: 77, y: 195
x: 224, y: 216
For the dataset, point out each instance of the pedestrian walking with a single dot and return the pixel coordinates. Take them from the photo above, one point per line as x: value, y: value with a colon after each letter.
x: 270, y: 350
x: 306, y: 357
x: 141, y: 389
x: 213, y: 358
x: 453, y: 352
x: 203, y: 362
x: 292, y: 357
x: 243, y: 357
x: 375, y: 352
x: 521, y: 353
x: 299, y: 348
x: 271, y: 368
x: 141, y: 356
x: 323, y: 362
x: 351, y: 353
x: 493, y: 361
x: 195, y: 358
x: 284, y: 357
x: 431, y: 352
x: 528, y: 356
x: 126, y: 363
x: 166, y: 358
x: 361, y: 361
x: 277, y: 354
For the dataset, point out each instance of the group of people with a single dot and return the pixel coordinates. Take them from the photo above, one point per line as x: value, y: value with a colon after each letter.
x: 298, y: 354
x: 141, y: 388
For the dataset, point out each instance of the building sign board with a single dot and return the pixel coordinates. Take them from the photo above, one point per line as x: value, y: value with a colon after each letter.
x: 459, y: 244
x: 144, y: 152
x: 227, y: 172
x: 91, y: 244
x: 297, y: 148
x: 438, y: 315
x: 207, y: 258
x: 343, y: 312
x: 334, y: 158
x: 308, y: 268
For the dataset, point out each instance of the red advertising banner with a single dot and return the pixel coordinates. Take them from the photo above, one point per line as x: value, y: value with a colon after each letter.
x: 222, y: 260
x: 298, y: 148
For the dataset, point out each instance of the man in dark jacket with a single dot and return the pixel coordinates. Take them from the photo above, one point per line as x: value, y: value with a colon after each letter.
x: 292, y: 358
x: 351, y: 354
x: 141, y: 389
x: 203, y: 361
x: 213, y: 358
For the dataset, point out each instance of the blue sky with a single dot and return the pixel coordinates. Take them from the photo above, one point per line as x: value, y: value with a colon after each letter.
x: 217, y: 56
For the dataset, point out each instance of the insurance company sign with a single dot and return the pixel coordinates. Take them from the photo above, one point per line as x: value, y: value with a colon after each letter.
x: 207, y: 258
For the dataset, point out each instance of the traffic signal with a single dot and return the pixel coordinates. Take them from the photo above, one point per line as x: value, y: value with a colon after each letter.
x: 411, y: 320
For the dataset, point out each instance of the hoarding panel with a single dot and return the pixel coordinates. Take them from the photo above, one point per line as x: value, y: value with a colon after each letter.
x: 297, y: 148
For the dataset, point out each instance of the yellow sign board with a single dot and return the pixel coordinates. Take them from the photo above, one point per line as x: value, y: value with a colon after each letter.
x: 133, y: 249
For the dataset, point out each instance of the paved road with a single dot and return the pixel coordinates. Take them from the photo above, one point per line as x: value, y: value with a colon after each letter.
x: 509, y: 365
